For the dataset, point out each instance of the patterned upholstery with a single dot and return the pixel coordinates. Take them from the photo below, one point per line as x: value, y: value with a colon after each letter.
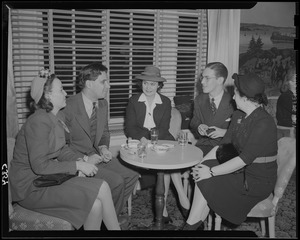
x: 267, y: 209
x: 24, y: 219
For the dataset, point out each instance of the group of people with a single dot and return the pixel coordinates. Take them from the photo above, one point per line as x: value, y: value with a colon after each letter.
x: 72, y: 136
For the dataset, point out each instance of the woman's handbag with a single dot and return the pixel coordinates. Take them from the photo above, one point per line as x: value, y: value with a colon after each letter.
x: 52, y: 179
x: 227, y: 151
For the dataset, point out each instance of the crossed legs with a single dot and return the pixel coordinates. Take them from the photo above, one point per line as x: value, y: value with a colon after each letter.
x: 199, y: 209
x: 177, y: 181
x: 102, y: 209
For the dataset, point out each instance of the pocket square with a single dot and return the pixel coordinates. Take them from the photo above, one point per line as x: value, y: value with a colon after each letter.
x: 228, y: 120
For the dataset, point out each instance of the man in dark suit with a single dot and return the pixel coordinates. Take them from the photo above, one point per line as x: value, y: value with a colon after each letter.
x: 86, y: 116
x: 212, y: 108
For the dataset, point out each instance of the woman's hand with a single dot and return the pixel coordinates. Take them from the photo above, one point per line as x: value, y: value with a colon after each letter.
x: 86, y: 168
x: 200, y: 172
x: 95, y: 159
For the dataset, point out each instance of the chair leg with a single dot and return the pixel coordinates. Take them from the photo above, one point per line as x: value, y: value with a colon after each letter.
x: 263, y: 227
x: 129, y: 202
x: 218, y: 221
x: 271, y: 221
x: 209, y: 221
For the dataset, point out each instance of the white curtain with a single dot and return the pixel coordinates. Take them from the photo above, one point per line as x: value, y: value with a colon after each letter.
x: 224, y: 39
x: 12, y: 126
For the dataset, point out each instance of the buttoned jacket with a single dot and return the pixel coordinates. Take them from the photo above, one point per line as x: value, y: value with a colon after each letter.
x: 203, y: 114
x: 135, y: 117
x: 78, y: 122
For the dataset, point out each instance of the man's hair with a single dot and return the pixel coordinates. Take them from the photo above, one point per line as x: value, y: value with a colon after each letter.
x: 219, y: 69
x: 90, y: 72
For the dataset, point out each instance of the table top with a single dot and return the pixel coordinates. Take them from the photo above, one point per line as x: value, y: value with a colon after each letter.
x: 175, y: 158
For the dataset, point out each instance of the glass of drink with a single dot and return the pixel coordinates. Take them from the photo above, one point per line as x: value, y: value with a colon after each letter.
x: 182, y: 138
x: 154, y: 136
x: 142, y: 151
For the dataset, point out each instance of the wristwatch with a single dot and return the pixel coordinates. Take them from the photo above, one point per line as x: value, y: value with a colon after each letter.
x: 211, y: 172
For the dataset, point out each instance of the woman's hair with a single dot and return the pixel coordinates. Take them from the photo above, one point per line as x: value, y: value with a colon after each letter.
x: 219, y: 69
x: 44, y: 103
x: 260, y: 98
x: 140, y: 84
x: 90, y: 72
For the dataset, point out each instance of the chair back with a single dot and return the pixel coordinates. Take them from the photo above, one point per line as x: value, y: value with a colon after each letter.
x: 175, y: 122
x: 286, y: 160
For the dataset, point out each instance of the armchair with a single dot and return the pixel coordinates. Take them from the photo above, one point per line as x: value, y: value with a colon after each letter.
x: 22, y: 219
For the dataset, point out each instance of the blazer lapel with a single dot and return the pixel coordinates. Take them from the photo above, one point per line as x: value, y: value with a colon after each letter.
x: 81, y: 116
x: 221, y: 113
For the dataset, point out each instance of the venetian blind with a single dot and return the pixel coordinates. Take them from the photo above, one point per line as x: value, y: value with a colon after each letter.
x: 124, y: 40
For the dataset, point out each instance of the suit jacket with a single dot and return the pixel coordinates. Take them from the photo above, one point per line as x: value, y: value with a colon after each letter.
x: 203, y: 115
x: 135, y: 117
x: 39, y: 143
x: 77, y: 120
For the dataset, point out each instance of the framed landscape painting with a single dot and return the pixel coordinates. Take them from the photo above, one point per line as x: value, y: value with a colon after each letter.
x: 267, y: 34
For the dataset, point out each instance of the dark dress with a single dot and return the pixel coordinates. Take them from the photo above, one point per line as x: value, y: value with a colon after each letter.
x: 254, y: 136
x: 40, y: 142
x: 284, y: 109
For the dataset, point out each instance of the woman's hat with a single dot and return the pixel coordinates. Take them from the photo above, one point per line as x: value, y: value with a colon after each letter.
x: 249, y: 84
x: 37, y: 85
x: 151, y: 73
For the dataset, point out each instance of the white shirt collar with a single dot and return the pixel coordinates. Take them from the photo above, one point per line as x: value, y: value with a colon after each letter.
x: 88, y: 104
x: 149, y: 120
x: 156, y: 100
x: 218, y: 98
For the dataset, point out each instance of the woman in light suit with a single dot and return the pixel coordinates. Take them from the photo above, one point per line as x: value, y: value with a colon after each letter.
x: 148, y: 110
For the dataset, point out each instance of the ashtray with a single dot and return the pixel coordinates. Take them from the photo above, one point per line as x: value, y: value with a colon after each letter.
x: 160, y: 148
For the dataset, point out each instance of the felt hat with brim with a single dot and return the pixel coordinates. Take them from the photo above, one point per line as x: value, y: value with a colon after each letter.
x: 151, y: 73
x: 249, y: 84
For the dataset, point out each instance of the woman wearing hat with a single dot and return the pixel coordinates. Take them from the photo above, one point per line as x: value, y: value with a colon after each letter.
x: 82, y: 201
x: 148, y: 110
x: 230, y: 193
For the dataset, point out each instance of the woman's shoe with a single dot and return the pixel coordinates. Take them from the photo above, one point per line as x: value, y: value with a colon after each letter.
x: 184, y: 212
x: 197, y: 226
x: 167, y: 219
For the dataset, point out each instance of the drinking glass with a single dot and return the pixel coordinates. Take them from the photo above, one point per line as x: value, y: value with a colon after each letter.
x: 142, y: 151
x: 154, y: 136
x: 182, y: 138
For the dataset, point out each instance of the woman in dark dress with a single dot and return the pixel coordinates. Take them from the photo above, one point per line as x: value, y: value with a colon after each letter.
x: 219, y: 187
x: 147, y: 110
x: 40, y: 150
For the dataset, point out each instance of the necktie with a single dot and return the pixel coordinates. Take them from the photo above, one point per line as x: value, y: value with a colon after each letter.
x: 93, y: 123
x: 213, y: 106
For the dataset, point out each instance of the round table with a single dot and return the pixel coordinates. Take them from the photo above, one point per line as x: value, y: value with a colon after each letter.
x: 178, y: 157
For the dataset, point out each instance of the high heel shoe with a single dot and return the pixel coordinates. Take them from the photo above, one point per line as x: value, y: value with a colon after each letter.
x: 167, y: 220
x: 184, y: 212
x: 197, y: 226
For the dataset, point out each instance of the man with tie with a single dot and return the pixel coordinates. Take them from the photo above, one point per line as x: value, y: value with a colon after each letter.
x: 86, y: 116
x: 212, y: 107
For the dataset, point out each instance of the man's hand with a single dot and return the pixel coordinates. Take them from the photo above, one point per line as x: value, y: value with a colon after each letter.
x: 202, y: 129
x: 105, y: 154
x: 215, y: 132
